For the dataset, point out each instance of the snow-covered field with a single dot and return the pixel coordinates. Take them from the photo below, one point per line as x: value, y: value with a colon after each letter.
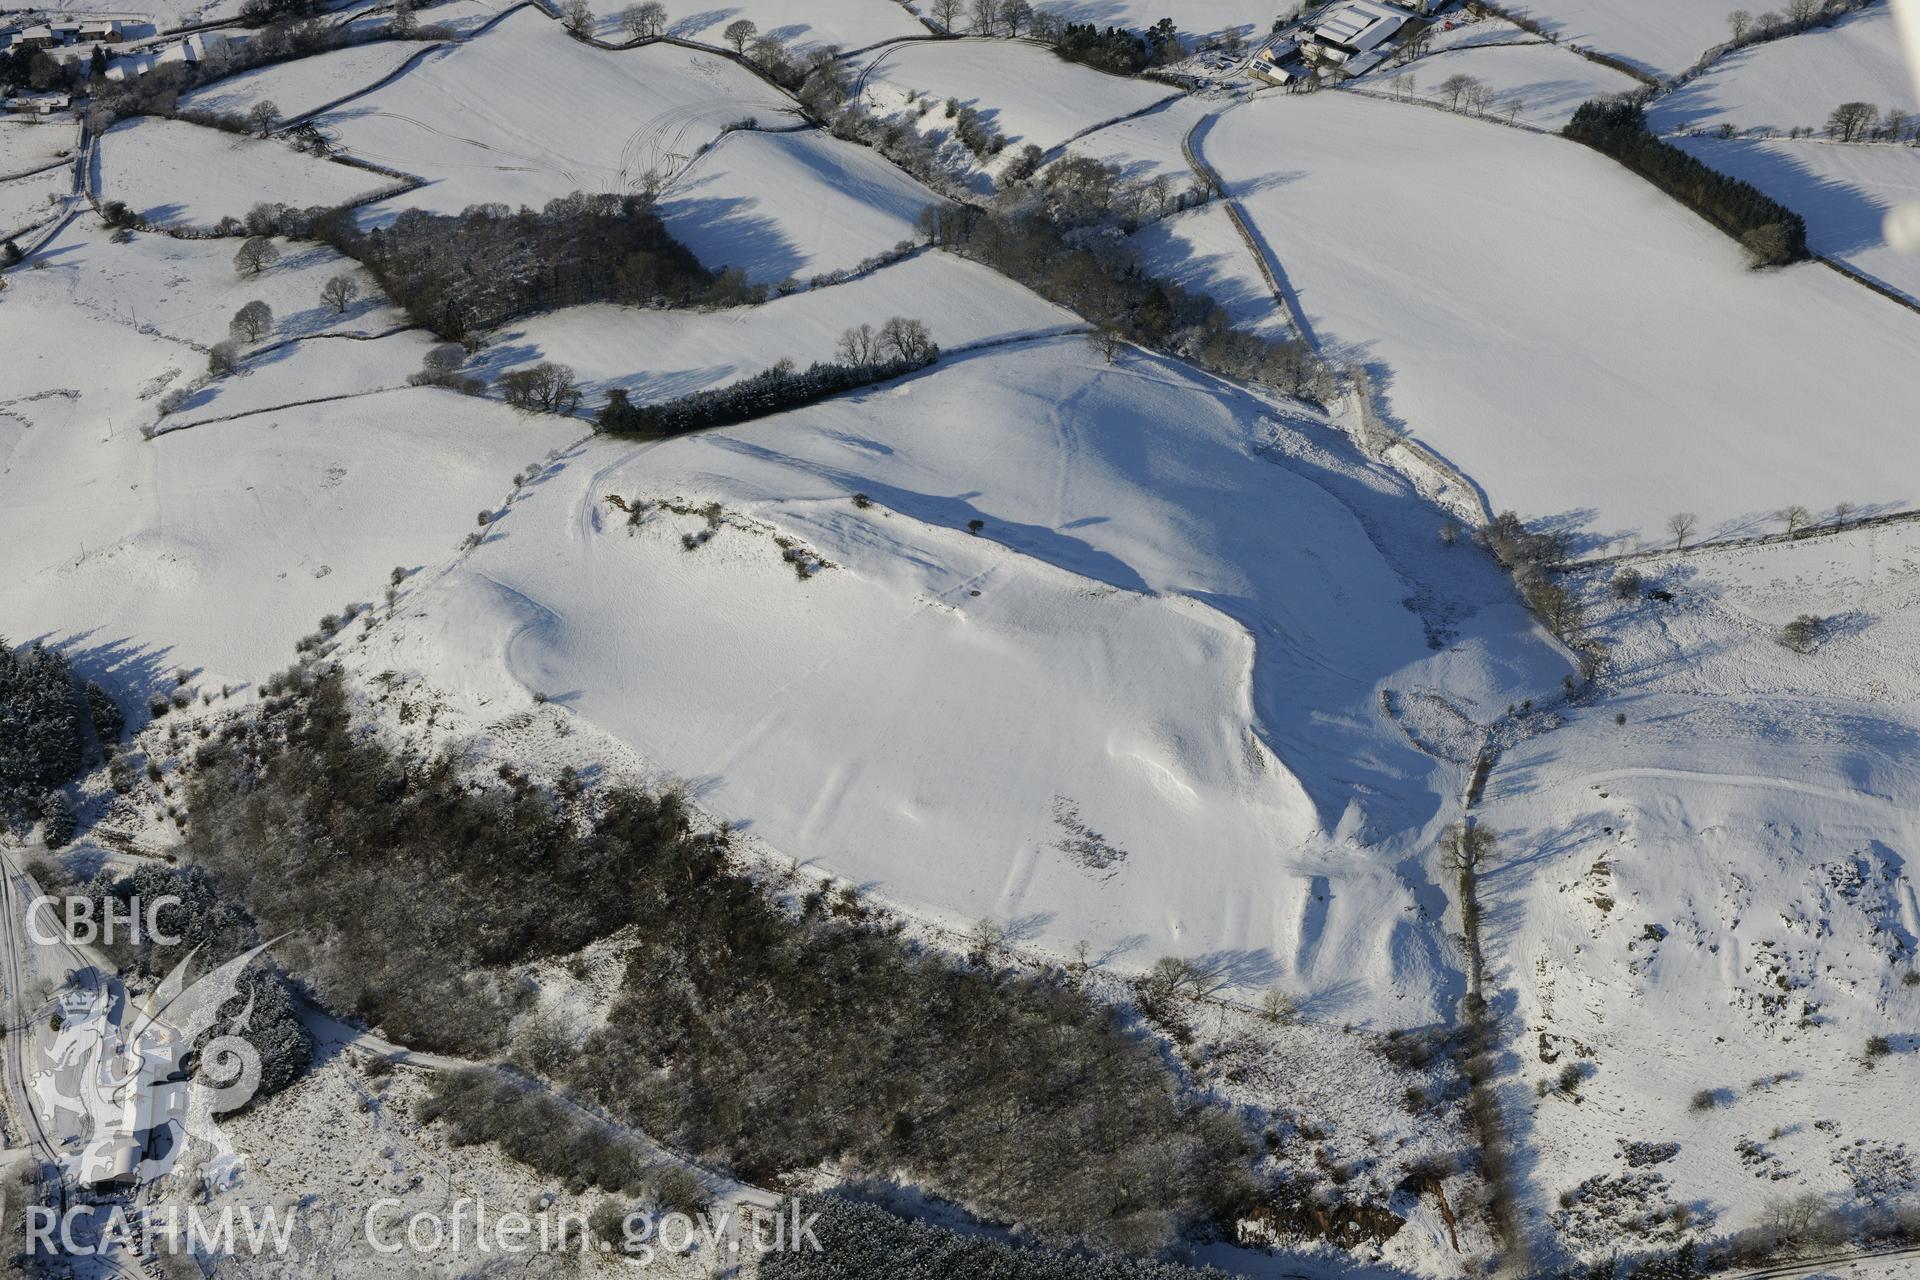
x: 621, y: 115
x: 1192, y: 17
x: 1024, y: 92
x: 1173, y: 627
x: 177, y: 174
x: 850, y: 24
x: 1589, y: 351
x: 779, y: 205
x: 1843, y: 191
x: 1717, y: 894
x: 1148, y: 145
x: 305, y: 84
x: 166, y: 14
x: 121, y: 543
x: 1201, y: 249
x: 28, y: 201
x: 1107, y: 650
x: 1663, y: 36
x: 187, y: 290
x: 301, y: 372
x: 1536, y: 84
x: 657, y: 355
x: 1458, y: 30
x: 29, y: 145
x: 1796, y: 82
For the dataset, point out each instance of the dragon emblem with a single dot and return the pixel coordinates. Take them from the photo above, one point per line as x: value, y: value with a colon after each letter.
x: 121, y: 1077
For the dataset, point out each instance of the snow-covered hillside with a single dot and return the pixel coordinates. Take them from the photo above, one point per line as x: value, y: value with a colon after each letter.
x: 658, y: 355
x: 306, y: 84
x: 621, y: 115
x: 1057, y: 633
x: 781, y: 206
x: 1025, y: 93
x: 1536, y: 84
x: 1720, y: 885
x: 1844, y: 191
x: 1795, y: 83
x: 1175, y: 623
x: 848, y: 24
x: 1201, y: 247
x: 133, y: 551
x: 177, y: 174
x: 1664, y: 37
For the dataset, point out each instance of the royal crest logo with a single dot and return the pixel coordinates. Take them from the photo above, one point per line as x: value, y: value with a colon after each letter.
x: 127, y: 1087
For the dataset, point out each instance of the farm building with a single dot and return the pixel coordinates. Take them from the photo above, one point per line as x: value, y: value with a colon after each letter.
x: 1354, y: 28
x: 1279, y: 63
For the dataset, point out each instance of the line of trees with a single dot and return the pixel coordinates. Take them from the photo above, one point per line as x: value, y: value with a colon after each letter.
x: 1772, y: 234
x: 866, y: 356
x: 769, y: 1025
x: 1800, y: 15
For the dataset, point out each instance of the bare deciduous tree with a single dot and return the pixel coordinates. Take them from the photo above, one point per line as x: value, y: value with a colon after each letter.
x: 263, y: 117
x: 859, y: 345
x: 946, y: 13
x: 1277, y: 1007
x: 577, y: 17
x: 1015, y: 14
x: 1852, y: 120
x: 1796, y: 518
x: 256, y: 255
x: 544, y: 388
x: 908, y: 340
x: 1681, y: 525
x: 251, y: 322
x: 1455, y: 88
x: 986, y: 16
x: 1740, y: 22
x: 739, y: 32
x: 640, y: 21
x: 339, y: 292
x: 1466, y: 849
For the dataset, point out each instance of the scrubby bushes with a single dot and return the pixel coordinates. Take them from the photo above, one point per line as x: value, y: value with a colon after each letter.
x: 440, y: 367
x: 483, y: 1104
x: 860, y: 1241
x: 459, y: 274
x: 405, y: 893
x: 1773, y: 234
x: 1804, y: 633
x: 769, y: 1034
x: 1533, y: 557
